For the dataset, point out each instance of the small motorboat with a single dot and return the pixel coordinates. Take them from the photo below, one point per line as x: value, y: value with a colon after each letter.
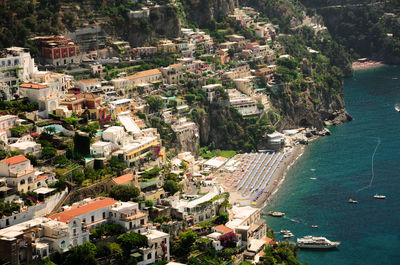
x: 377, y: 196
x: 314, y: 226
x: 288, y: 235
x: 276, y: 214
x: 352, y: 201
x: 313, y: 178
x: 397, y: 107
x: 284, y: 231
x: 312, y: 169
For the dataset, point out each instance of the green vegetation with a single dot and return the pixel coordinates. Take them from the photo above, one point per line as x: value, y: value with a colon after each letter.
x: 185, y: 243
x: 106, y: 230
x: 171, y: 187
x: 7, y: 209
x: 205, y: 153
x: 124, y: 193
x: 282, y: 253
x: 14, y: 107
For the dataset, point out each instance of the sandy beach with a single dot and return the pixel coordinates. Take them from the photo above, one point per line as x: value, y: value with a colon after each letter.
x: 227, y: 179
x: 279, y: 177
x: 366, y: 65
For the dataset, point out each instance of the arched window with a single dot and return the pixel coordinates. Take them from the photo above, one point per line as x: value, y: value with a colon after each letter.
x: 62, y: 244
x: 22, y: 182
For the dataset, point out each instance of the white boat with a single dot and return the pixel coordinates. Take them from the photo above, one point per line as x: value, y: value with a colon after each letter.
x: 314, y: 226
x: 276, y: 214
x: 352, y: 201
x: 285, y: 231
x: 288, y: 235
x: 312, y: 169
x: 316, y: 242
x: 377, y: 196
x: 313, y: 178
x: 397, y: 107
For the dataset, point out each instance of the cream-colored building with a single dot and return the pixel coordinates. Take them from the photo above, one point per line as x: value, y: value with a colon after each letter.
x: 143, y: 77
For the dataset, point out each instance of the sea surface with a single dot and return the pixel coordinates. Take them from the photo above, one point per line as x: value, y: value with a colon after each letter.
x: 360, y: 159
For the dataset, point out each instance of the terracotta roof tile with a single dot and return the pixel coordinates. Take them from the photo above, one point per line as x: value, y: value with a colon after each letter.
x: 32, y: 85
x: 15, y: 160
x: 144, y: 74
x: 68, y: 215
x: 123, y: 179
x: 89, y: 81
x: 223, y: 229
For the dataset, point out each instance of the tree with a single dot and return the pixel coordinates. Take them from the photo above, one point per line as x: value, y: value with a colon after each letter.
x: 149, y: 203
x: 45, y: 261
x: 115, y: 163
x: 131, y: 240
x: 83, y: 254
x: 190, y: 98
x: 185, y: 243
x: 223, y: 218
x: 155, y: 103
x: 48, y: 151
x: 124, y: 193
x: 171, y: 186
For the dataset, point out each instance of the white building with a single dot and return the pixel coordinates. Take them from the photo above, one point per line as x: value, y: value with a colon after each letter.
x: 101, y: 149
x: 89, y: 85
x: 247, y: 222
x: 27, y: 147
x: 198, y: 210
x: 114, y: 134
x: 60, y: 232
x: 46, y: 96
x: 7, y: 122
x: 276, y: 138
x: 245, y: 105
x: 16, y: 65
x: 157, y: 250
x: 210, y: 91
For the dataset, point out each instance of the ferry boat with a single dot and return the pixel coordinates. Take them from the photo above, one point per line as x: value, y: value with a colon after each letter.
x: 352, y: 201
x: 276, y: 214
x: 376, y: 196
x: 316, y: 242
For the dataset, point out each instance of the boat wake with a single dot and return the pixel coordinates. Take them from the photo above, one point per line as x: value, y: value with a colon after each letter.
x: 372, y: 167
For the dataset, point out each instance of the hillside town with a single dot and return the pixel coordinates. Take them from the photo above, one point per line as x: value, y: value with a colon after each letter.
x: 101, y: 144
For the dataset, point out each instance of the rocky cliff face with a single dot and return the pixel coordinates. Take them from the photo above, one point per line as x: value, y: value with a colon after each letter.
x: 163, y: 21
x: 313, y: 108
x: 202, y: 12
x: 188, y: 142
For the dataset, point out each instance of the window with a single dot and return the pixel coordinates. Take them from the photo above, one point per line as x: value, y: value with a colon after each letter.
x: 149, y: 256
x: 104, y: 215
x: 63, y: 245
x: 84, y: 220
x: 92, y: 218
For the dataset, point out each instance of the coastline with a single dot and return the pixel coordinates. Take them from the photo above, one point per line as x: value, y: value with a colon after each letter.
x: 273, y: 187
x: 366, y: 65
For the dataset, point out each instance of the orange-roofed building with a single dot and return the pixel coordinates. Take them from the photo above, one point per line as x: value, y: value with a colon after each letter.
x: 222, y: 229
x: 45, y: 95
x: 127, y: 179
x: 19, y: 173
x: 140, y: 78
x: 90, y: 104
x: 91, y: 213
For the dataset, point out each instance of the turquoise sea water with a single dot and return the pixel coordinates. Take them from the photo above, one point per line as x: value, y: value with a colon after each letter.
x: 370, y: 230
